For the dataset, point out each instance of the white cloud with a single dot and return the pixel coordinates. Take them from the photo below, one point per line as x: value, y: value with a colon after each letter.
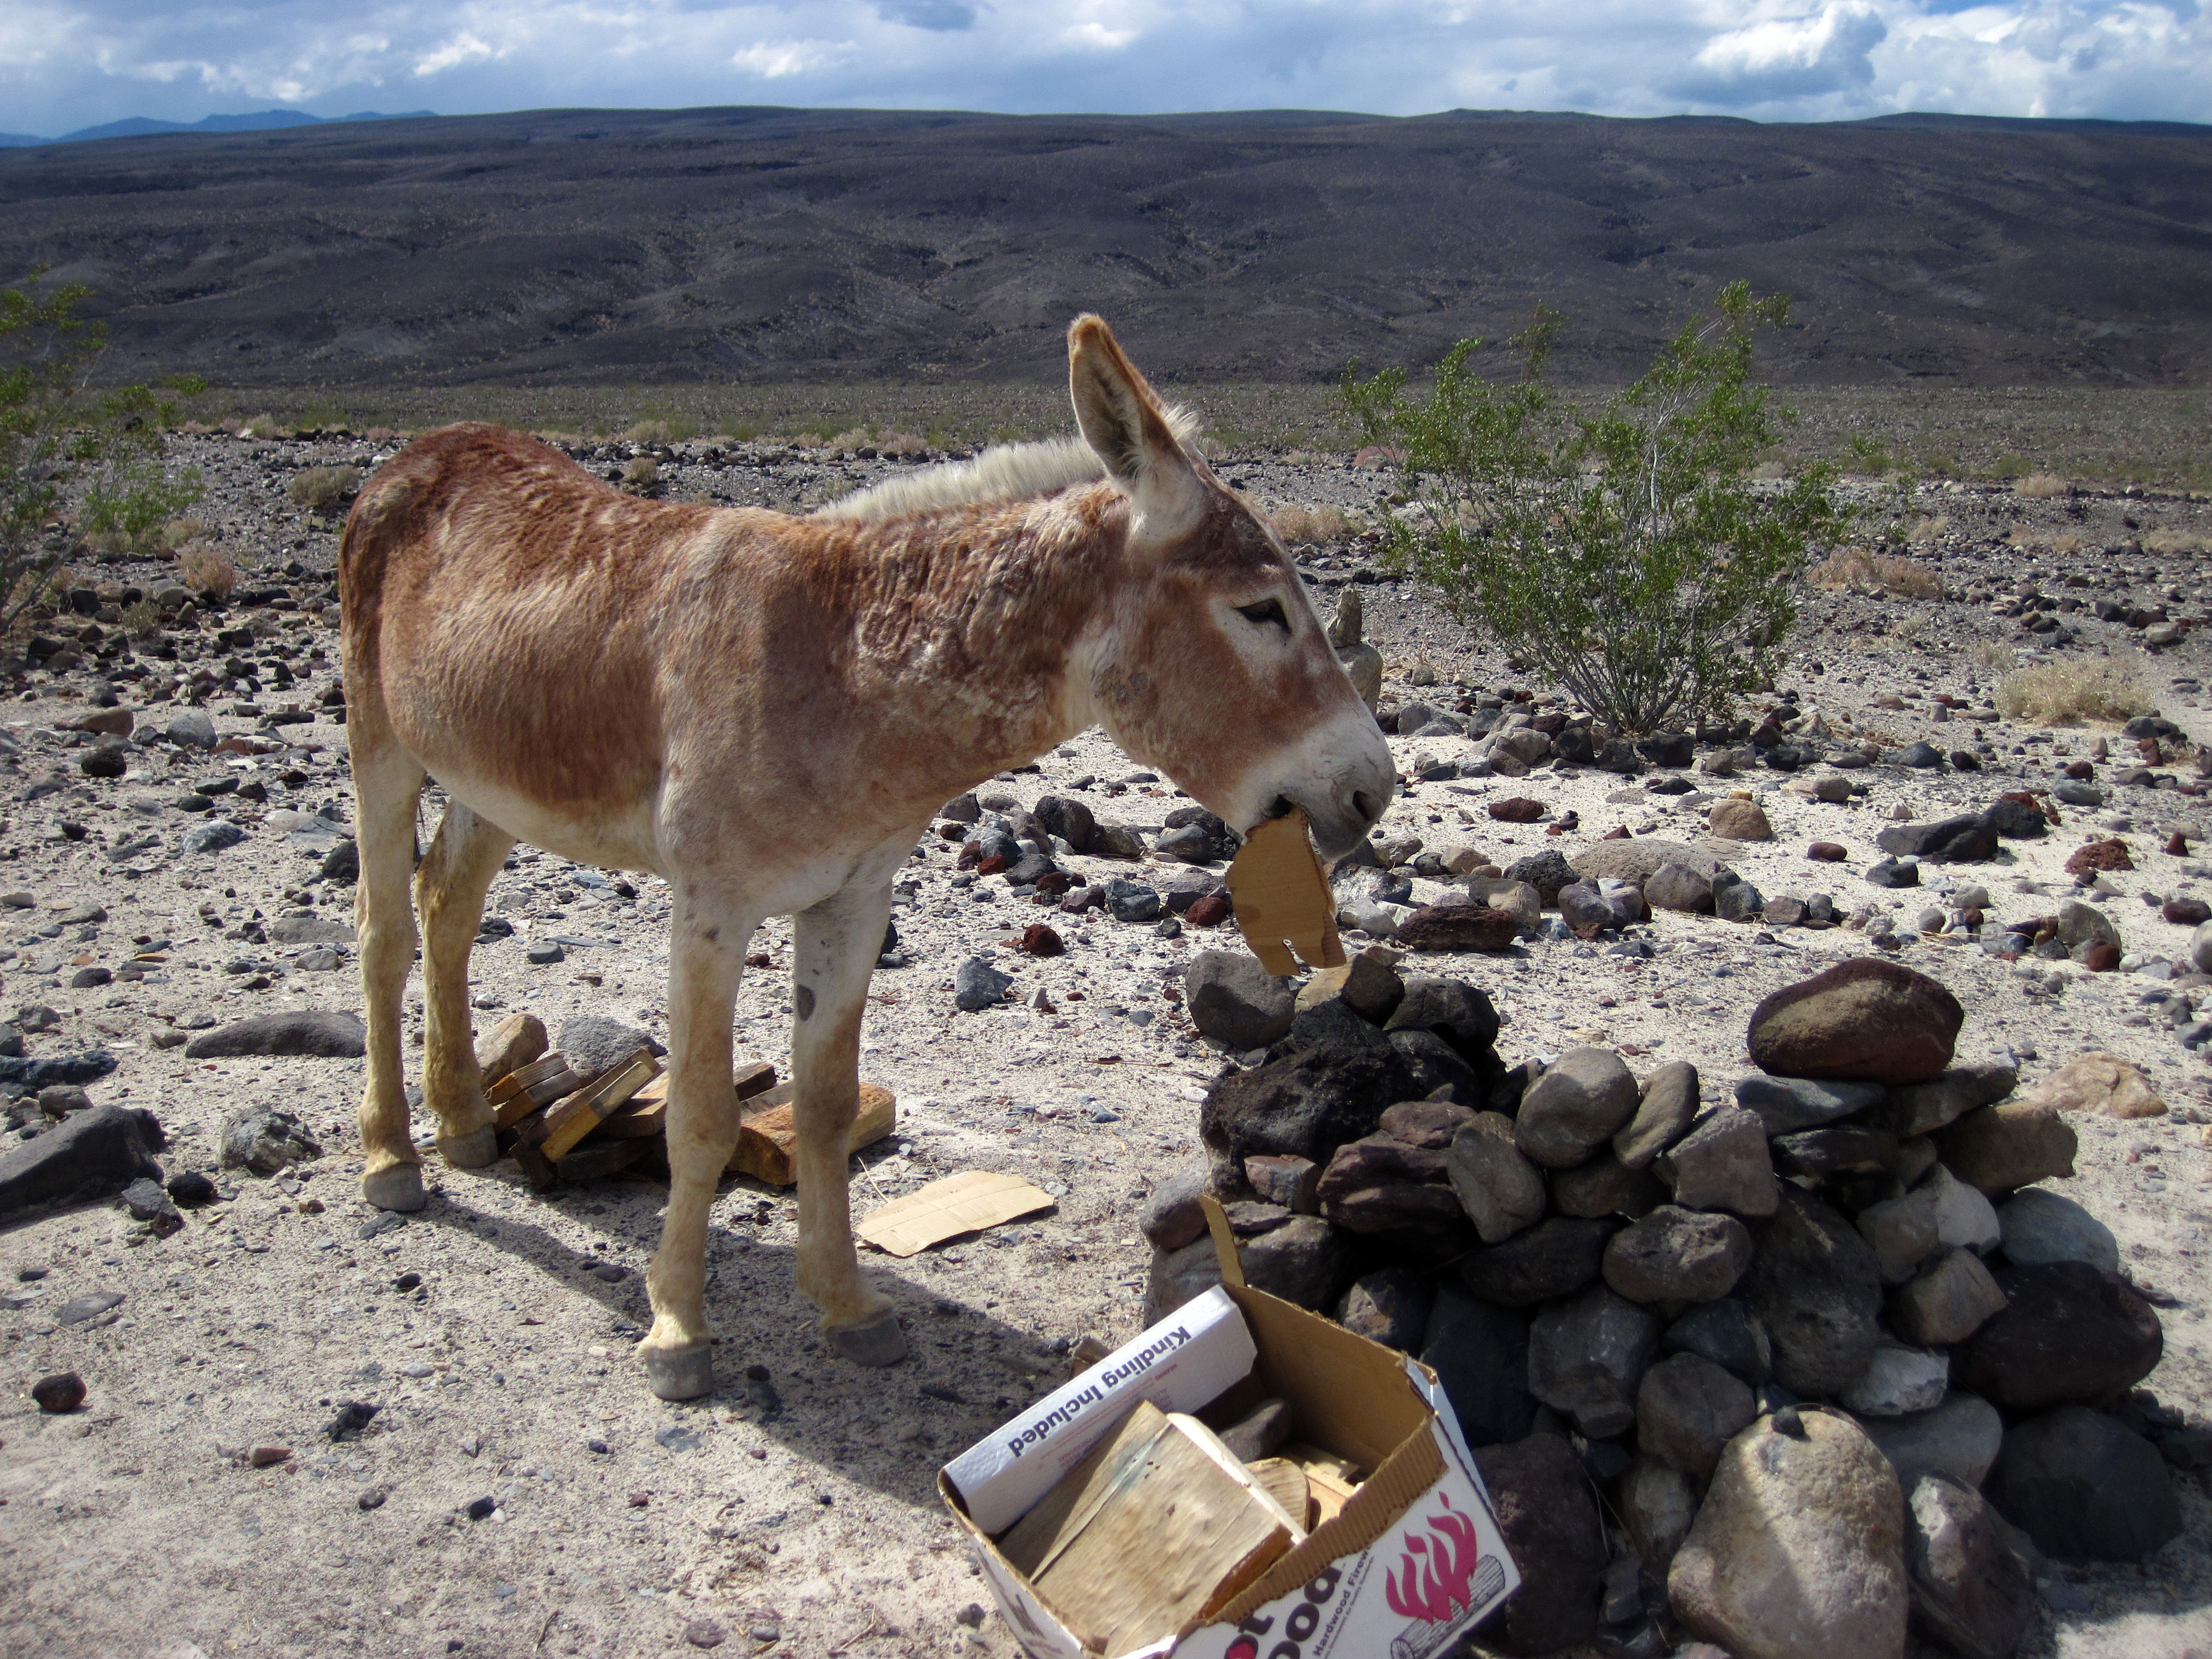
x: 69, y: 63
x: 463, y: 48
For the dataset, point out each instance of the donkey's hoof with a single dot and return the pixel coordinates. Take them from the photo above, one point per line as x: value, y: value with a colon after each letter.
x: 879, y: 1342
x: 469, y: 1151
x: 400, y: 1188
x: 680, y: 1373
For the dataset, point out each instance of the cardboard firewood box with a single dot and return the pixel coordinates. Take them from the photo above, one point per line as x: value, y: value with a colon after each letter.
x: 1399, y: 1550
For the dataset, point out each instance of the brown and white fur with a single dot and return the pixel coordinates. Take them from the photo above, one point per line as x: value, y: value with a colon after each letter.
x: 765, y: 710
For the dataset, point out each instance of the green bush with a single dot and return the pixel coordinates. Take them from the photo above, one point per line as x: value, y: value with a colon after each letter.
x: 58, y: 440
x: 1624, y: 552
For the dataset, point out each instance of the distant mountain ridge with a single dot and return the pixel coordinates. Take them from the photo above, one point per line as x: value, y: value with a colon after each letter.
x: 563, y: 246
x: 267, y: 120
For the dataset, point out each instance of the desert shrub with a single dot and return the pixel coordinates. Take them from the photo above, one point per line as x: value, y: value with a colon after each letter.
x: 1617, y: 546
x: 140, y: 617
x: 647, y: 432
x: 639, y: 470
x: 1861, y: 572
x: 1924, y: 530
x: 897, y: 445
x: 1324, y: 525
x: 2068, y: 693
x: 1994, y: 655
x: 318, y: 488
x: 176, y: 533
x: 204, y: 570
x: 58, y: 441
x: 805, y: 441
x: 261, y: 426
x: 2041, y: 486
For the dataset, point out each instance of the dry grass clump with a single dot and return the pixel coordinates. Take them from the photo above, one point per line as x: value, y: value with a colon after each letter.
x: 1323, y: 526
x: 169, y: 538
x: 1995, y: 656
x: 647, y: 432
x: 140, y: 617
x: 639, y: 470
x: 2070, y: 693
x: 1924, y: 531
x: 321, y: 488
x: 2040, y: 486
x: 2176, y: 541
x: 1861, y: 572
x: 203, y: 570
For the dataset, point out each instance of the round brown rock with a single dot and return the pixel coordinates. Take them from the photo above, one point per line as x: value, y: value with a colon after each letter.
x: 62, y: 1392
x: 1738, y: 820
x: 2068, y: 1333
x: 1866, y: 1018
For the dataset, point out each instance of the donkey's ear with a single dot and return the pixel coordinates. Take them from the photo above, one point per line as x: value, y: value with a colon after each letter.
x: 1124, y: 424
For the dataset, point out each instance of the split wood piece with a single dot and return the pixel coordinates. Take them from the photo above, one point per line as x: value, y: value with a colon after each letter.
x: 1282, y: 899
x: 965, y: 1203
x: 585, y: 1109
x: 1285, y: 1482
x: 600, y: 1158
x: 522, y: 1092
x: 1330, y: 1480
x: 752, y: 1078
x: 768, y: 1138
x: 1147, y: 1535
x: 509, y: 1046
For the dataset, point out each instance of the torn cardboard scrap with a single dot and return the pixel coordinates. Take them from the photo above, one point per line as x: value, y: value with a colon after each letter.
x: 1282, y: 899
x: 964, y: 1203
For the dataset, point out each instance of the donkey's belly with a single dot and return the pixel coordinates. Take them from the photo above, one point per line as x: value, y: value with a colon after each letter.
x: 617, y: 840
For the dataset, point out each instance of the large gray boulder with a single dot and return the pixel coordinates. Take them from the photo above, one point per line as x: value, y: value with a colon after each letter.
x: 1235, y: 1001
x: 1798, y: 1552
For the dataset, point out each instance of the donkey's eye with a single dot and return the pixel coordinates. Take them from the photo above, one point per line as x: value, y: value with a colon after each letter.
x: 1266, y: 612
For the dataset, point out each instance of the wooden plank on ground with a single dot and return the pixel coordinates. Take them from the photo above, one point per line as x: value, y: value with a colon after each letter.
x: 599, y: 1159
x: 589, y: 1107
x: 964, y: 1203
x: 768, y: 1137
x: 523, y: 1091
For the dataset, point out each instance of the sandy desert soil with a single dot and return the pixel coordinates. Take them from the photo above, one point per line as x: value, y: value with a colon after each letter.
x: 798, y: 1516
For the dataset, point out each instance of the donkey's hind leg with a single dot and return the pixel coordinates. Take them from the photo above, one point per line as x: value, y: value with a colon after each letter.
x: 387, y: 782
x: 449, y: 891
x: 836, y: 943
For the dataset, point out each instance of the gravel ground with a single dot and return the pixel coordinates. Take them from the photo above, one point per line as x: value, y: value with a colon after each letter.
x: 800, y: 1517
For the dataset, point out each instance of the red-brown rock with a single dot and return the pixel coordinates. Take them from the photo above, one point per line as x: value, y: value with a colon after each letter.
x: 1208, y: 912
x: 1827, y: 852
x: 2069, y: 1332
x: 1458, y: 927
x: 2100, y: 856
x: 1516, y: 809
x: 1866, y: 1017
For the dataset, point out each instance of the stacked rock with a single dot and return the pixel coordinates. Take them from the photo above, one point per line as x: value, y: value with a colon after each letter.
x: 1832, y: 1358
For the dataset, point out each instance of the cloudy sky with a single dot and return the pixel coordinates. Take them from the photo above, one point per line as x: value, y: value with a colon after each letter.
x: 67, y: 64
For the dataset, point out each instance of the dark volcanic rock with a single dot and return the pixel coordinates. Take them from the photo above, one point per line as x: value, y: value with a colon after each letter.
x: 1480, y: 1356
x: 93, y: 1154
x: 1553, y: 1258
x: 1674, y: 1254
x: 1866, y: 1018
x: 2069, y: 1332
x: 1390, y: 1306
x: 1233, y: 999
x: 328, y: 1032
x: 1461, y: 1014
x: 2083, y: 1487
x: 1305, y: 1104
x: 1815, y: 1286
x: 1551, y: 1527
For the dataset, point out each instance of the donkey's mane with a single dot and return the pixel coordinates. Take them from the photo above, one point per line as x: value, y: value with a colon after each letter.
x: 1005, y: 473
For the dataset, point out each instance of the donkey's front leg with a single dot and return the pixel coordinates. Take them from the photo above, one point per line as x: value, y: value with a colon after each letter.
x: 706, y: 954
x: 836, y: 946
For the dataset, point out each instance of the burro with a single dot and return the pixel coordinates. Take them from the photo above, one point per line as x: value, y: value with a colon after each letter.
x: 765, y: 709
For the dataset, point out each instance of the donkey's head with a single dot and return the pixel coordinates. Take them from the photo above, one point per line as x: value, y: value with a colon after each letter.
x: 1212, y: 665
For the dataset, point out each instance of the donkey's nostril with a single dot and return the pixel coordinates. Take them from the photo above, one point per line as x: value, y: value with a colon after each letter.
x: 1366, y: 806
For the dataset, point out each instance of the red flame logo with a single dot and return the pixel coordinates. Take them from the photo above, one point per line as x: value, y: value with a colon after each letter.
x: 1435, y: 1572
